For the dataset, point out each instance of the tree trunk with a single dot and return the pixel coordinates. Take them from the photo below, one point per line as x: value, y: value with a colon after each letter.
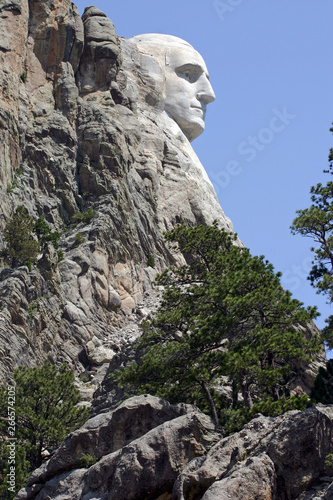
x: 211, y: 403
x: 234, y: 394
x: 246, y: 395
x: 39, y: 458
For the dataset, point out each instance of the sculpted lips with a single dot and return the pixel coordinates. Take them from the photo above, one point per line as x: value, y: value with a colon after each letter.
x: 200, y: 108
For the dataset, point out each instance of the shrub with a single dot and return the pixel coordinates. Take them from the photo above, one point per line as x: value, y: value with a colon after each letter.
x: 7, y: 491
x: 329, y: 461
x: 82, y: 217
x: 233, y: 420
x: 151, y: 261
x: 21, y: 247
x: 32, y: 309
x: 45, y: 410
x: 15, y: 180
x: 79, y: 239
x: 60, y: 255
x: 86, y: 460
x: 45, y: 234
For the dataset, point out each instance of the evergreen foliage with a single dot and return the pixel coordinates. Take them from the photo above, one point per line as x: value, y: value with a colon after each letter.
x: 322, y: 391
x: 79, y: 239
x: 316, y: 222
x: 45, y: 234
x: 86, y: 460
x: 82, y: 217
x: 329, y: 462
x: 45, y: 412
x: 234, y: 419
x: 223, y: 317
x: 21, y: 247
x: 60, y: 254
x: 151, y: 261
x: 21, y: 469
x: 15, y: 183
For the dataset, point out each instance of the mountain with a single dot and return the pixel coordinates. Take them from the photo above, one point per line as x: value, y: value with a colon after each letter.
x: 88, y: 148
x: 78, y: 132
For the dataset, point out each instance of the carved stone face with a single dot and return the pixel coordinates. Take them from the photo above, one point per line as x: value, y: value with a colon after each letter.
x: 187, y: 90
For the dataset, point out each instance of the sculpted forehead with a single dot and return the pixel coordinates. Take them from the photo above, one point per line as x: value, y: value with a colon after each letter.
x: 158, y: 45
x: 149, y: 39
x: 171, y: 52
x: 177, y: 57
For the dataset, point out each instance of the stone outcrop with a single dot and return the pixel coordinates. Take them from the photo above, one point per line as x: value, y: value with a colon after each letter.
x: 273, y: 458
x: 149, y: 449
x: 77, y: 132
x: 81, y: 128
x: 85, y: 144
x: 141, y: 447
x: 101, y: 57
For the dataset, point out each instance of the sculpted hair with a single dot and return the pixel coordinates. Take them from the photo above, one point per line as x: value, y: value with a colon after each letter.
x: 158, y: 45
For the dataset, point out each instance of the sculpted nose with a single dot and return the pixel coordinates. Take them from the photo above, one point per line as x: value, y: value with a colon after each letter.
x: 206, y: 92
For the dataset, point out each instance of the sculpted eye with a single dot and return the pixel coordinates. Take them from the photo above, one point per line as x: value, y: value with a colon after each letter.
x: 190, y: 72
x: 185, y: 74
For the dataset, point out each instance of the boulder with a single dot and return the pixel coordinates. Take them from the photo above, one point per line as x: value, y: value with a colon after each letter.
x: 140, y: 447
x: 147, y: 449
x: 269, y: 459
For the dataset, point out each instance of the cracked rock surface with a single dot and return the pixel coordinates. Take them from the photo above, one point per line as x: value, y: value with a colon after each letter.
x: 149, y: 449
x: 81, y: 132
x: 77, y: 133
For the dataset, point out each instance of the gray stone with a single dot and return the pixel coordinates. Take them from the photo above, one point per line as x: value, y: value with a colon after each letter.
x: 253, y: 480
x: 141, y: 447
x: 91, y: 121
x: 102, y: 57
x: 109, y: 432
x: 101, y: 355
x: 65, y: 91
x: 270, y: 458
x: 92, y: 11
x: 199, y: 475
x: 114, y: 299
x: 149, y: 449
x: 290, y: 448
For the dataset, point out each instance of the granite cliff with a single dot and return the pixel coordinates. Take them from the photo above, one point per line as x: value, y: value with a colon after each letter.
x: 82, y: 128
x: 78, y: 131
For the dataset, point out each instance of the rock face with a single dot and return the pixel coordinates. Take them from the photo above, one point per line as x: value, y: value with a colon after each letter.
x: 148, y: 449
x: 83, y: 127
x: 80, y: 128
x: 86, y: 142
x: 271, y: 458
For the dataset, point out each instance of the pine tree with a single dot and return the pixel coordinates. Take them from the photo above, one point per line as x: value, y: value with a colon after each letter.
x: 45, y: 411
x: 21, y: 247
x: 223, y: 315
x: 322, y: 391
x: 45, y: 234
x: 316, y: 222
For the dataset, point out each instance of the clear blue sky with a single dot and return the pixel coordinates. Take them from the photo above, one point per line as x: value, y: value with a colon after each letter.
x: 265, y: 59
